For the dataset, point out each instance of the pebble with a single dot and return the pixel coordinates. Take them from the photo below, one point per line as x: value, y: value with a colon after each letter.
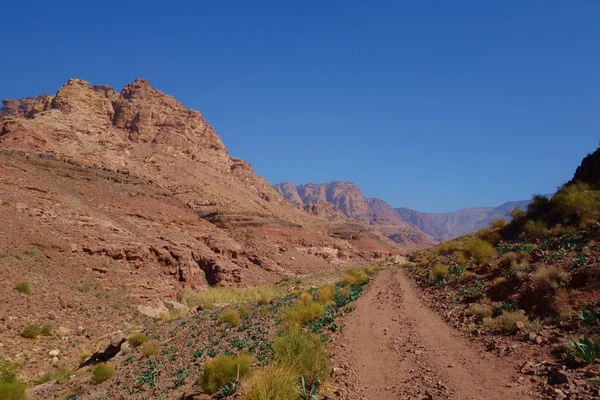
x: 54, y: 360
x: 54, y: 353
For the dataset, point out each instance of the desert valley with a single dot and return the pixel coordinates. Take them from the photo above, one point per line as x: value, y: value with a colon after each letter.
x: 140, y: 260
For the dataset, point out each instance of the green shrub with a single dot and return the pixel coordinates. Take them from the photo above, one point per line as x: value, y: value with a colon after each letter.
x: 482, y: 252
x: 576, y: 203
x: 11, y: 388
x: 534, y: 230
x: 138, y: 339
x: 304, y: 353
x: 516, y: 214
x: 272, y: 383
x: 31, y: 331
x: 101, y: 373
x: 231, y: 317
x: 222, y: 370
x: 439, y: 272
x: 301, y: 314
x: 491, y: 236
x: 23, y: 287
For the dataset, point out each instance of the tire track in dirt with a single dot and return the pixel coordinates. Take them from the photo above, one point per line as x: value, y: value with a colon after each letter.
x: 394, y: 347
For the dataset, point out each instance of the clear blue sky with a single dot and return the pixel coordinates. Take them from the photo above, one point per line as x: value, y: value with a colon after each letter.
x: 433, y: 105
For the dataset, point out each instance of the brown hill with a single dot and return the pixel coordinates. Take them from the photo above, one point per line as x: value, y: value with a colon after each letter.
x: 348, y: 199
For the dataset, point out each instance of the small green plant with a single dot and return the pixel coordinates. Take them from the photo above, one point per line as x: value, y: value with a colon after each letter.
x: 584, y: 349
x: 101, y: 373
x: 138, y: 339
x: 308, y: 393
x: 509, y: 306
x: 180, y: 375
x: 580, y: 260
x: 6, y: 203
x: 229, y: 389
x: 31, y: 331
x: 23, y: 287
x: 222, y: 370
x: 589, y: 316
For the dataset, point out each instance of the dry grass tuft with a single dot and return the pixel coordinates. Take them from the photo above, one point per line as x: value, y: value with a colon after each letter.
x: 150, y: 350
x: 549, y: 277
x: 326, y: 293
x: 507, y: 321
x: 271, y: 383
x: 304, y: 353
x: 138, y: 339
x: 231, y: 317
x: 480, y: 311
x: 222, y: 370
x: 301, y: 314
x: 481, y: 251
x: 23, y: 287
x: 439, y: 272
x: 101, y: 373
x: 217, y: 295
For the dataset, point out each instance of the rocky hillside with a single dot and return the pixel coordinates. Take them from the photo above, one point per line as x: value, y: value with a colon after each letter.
x: 530, y: 286
x: 349, y: 201
x: 135, y: 193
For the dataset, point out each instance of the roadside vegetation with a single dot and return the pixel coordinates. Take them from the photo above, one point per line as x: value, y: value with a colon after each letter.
x: 533, y: 279
x: 257, y: 343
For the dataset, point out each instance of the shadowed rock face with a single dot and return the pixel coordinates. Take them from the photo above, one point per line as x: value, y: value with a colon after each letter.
x: 589, y: 171
x: 244, y: 231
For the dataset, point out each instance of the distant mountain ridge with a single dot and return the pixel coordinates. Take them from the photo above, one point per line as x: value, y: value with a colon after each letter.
x: 349, y: 201
x: 395, y: 222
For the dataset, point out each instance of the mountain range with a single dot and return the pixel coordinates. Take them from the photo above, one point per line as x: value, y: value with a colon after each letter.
x: 395, y: 223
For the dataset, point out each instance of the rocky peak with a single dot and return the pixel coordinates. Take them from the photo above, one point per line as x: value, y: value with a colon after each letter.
x: 344, y: 195
x: 25, y: 107
x: 289, y: 192
x: 79, y: 97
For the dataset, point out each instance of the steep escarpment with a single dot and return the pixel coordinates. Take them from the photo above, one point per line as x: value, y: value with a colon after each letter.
x: 348, y: 201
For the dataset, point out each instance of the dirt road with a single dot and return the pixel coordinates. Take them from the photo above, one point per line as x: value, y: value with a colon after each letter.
x: 394, y: 347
